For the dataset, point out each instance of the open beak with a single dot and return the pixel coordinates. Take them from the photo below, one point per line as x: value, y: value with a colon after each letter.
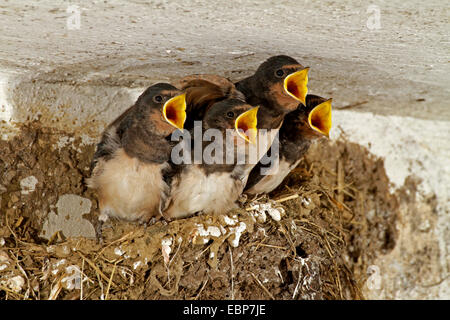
x: 296, y: 83
x: 320, y: 118
x: 174, y: 111
x: 246, y: 123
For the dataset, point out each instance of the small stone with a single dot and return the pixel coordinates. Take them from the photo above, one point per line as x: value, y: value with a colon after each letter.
x: 9, y: 175
x: 14, y: 198
x: 28, y: 184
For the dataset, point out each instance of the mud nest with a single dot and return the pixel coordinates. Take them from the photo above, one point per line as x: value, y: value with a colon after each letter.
x: 312, y: 238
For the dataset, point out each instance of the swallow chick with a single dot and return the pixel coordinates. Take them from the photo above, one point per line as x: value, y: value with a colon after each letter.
x: 300, y: 128
x: 133, y: 154
x: 277, y: 86
x: 215, y: 186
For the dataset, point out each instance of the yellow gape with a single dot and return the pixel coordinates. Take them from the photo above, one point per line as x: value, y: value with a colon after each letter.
x: 246, y: 124
x: 296, y: 83
x: 320, y: 118
x: 174, y: 111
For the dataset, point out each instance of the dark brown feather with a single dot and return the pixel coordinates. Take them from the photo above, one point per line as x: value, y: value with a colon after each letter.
x: 200, y: 96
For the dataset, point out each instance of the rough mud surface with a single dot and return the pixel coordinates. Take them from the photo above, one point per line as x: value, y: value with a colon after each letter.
x: 313, y: 238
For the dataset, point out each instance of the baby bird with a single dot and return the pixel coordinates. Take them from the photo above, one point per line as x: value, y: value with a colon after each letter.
x: 299, y: 129
x: 277, y: 86
x: 133, y: 155
x: 214, y: 185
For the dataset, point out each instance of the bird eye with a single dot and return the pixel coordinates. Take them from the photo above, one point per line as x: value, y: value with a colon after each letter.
x: 230, y: 114
x: 157, y: 99
x: 279, y: 73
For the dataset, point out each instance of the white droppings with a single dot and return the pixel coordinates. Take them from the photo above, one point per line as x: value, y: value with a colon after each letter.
x: 136, y: 264
x: 28, y: 184
x: 276, y: 213
x: 56, y: 265
x: 306, y: 201
x: 230, y: 221
x: 73, y: 280
x: 214, y: 231
x: 2, y: 242
x: 59, y: 263
x: 118, y: 251
x: 210, y: 231
x: 166, y: 249
x: 211, y: 255
x: 260, y: 210
x: 103, y: 217
x: 237, y: 231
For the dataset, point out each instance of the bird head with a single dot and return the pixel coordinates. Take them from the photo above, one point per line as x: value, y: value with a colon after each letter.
x: 282, y: 81
x: 233, y: 114
x: 163, y: 107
